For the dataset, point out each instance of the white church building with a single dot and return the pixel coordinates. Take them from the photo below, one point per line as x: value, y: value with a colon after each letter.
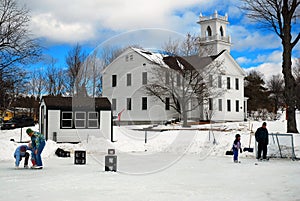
x: 125, y: 78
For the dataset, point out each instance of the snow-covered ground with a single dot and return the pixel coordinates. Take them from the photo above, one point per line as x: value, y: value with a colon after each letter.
x: 173, y: 165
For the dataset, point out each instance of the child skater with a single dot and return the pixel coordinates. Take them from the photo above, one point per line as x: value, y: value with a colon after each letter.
x: 21, y: 152
x: 236, y: 148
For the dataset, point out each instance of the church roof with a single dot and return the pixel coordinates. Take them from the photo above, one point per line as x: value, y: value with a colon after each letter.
x: 155, y: 57
x: 175, y: 62
x: 199, y: 63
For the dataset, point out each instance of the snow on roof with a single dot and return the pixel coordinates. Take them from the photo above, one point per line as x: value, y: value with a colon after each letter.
x: 160, y: 57
x: 174, y: 62
x: 155, y: 57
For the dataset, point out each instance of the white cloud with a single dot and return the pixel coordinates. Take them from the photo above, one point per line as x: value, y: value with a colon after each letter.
x: 270, y: 64
x: 234, y: 12
x: 73, y: 21
x: 274, y: 57
x: 49, y: 27
x: 267, y: 69
x: 76, y: 20
x: 243, y: 60
x: 247, y: 39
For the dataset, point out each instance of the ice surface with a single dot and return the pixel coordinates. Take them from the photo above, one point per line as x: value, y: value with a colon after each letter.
x: 177, y: 165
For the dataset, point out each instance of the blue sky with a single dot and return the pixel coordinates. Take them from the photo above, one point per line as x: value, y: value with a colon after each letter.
x: 60, y: 25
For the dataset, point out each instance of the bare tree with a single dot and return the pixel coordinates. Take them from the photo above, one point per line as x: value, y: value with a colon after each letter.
x: 84, y: 71
x: 279, y: 15
x: 276, y: 87
x: 51, y: 80
x: 16, y: 45
x: 61, y: 83
x: 186, y: 79
x: 55, y: 82
x: 75, y: 60
x: 183, y: 83
x: 37, y: 82
x: 172, y: 47
x: 91, y: 74
x: 189, y: 46
x: 16, y: 48
x: 13, y: 86
x: 109, y: 53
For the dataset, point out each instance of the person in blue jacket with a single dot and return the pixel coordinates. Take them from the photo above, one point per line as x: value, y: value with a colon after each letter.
x: 21, y: 152
x: 236, y: 147
x: 38, y: 143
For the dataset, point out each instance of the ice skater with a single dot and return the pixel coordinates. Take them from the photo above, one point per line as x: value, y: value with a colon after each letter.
x: 262, y: 138
x: 21, y: 152
x: 38, y: 143
x: 236, y: 147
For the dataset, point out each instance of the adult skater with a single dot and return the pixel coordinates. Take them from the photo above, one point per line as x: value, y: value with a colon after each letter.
x: 38, y: 143
x: 262, y: 138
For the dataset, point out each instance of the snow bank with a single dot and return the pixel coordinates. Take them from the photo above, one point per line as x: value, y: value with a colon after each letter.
x: 203, y: 140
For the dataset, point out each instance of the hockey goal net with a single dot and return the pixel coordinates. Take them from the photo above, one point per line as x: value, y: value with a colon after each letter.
x: 281, y: 146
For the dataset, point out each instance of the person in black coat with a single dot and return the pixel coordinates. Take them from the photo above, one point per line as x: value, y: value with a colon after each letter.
x: 262, y: 138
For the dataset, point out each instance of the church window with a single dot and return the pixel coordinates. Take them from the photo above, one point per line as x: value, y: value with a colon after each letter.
x: 221, y: 31
x: 208, y: 31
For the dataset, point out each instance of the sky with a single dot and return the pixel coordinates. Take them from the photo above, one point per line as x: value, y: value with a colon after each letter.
x: 60, y: 25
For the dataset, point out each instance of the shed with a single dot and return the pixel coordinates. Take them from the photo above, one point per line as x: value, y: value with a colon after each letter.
x: 74, y: 119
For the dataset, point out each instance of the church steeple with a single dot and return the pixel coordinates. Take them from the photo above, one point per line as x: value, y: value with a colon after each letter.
x: 213, y: 37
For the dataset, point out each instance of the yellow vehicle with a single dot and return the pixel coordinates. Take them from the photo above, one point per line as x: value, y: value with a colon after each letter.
x: 8, y: 115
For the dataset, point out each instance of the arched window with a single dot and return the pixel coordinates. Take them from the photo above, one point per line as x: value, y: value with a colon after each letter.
x: 208, y: 31
x: 221, y: 31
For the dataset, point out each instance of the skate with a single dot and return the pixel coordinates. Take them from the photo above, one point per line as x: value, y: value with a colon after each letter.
x: 36, y: 167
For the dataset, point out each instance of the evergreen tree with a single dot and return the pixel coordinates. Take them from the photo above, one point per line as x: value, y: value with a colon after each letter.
x: 256, y: 92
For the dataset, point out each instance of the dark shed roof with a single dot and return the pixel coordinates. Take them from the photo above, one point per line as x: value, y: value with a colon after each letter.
x: 82, y: 103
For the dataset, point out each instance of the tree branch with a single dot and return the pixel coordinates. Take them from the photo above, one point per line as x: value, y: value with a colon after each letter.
x: 296, y: 40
